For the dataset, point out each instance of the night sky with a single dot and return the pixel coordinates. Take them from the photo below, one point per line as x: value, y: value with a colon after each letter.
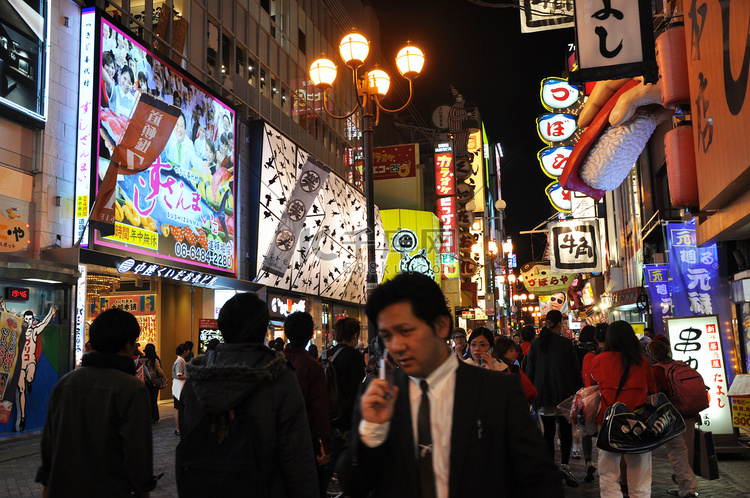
x: 482, y: 52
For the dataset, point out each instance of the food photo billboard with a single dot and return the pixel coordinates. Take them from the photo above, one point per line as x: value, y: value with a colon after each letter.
x: 180, y: 205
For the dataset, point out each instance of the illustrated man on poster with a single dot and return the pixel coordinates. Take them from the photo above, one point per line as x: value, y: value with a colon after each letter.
x: 29, y: 356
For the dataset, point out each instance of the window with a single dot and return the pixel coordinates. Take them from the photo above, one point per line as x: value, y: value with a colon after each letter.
x: 263, y: 81
x: 239, y: 56
x: 266, y: 5
x: 226, y: 67
x: 302, y: 42
x: 212, y: 49
x: 250, y: 71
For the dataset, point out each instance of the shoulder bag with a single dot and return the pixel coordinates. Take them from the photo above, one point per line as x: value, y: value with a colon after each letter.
x: 642, y: 430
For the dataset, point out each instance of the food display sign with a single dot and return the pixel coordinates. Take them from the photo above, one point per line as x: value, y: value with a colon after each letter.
x: 142, y: 306
x: 181, y: 206
x: 696, y: 341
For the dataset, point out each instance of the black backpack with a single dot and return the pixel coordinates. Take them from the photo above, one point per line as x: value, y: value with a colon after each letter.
x: 336, y: 401
x: 216, y: 457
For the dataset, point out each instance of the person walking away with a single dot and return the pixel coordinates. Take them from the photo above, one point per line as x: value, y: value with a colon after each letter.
x: 587, y: 441
x: 349, y: 367
x: 528, y: 334
x: 243, y: 420
x: 552, y: 366
x: 678, y: 449
x: 178, y: 381
x: 298, y: 328
x: 97, y: 437
x: 441, y: 427
x: 153, y: 365
x: 624, y: 375
x: 586, y: 344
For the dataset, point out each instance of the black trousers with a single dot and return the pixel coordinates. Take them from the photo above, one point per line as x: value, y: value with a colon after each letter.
x: 153, y: 395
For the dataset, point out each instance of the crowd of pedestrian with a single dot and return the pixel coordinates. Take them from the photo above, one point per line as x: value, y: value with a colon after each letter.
x: 420, y: 411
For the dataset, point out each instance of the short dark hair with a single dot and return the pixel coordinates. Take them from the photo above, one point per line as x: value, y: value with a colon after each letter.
x: 552, y: 319
x: 113, y: 330
x: 458, y: 331
x: 180, y: 349
x: 189, y: 345
x: 528, y: 333
x: 483, y: 331
x: 346, y: 328
x: 503, y: 345
x: 298, y: 328
x: 426, y: 298
x: 244, y: 318
x: 588, y: 334
x: 601, y: 332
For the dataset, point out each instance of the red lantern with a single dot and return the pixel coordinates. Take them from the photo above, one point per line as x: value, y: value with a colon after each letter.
x: 671, y: 57
x: 683, y: 176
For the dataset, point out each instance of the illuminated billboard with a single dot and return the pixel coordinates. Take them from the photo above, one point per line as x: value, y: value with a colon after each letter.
x: 181, y: 206
x: 24, y: 45
x: 311, y: 224
x: 414, y: 240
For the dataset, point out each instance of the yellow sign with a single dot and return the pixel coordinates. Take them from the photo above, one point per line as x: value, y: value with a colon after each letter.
x: 413, y: 240
x: 135, y: 236
x: 82, y: 206
x: 741, y: 411
x: 14, y: 233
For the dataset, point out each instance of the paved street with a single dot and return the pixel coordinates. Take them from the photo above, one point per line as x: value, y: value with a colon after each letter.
x: 19, y: 459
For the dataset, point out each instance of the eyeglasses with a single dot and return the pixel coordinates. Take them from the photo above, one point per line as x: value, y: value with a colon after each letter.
x: 558, y: 300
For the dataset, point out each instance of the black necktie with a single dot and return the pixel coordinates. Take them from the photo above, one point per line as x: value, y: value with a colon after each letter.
x: 424, y: 439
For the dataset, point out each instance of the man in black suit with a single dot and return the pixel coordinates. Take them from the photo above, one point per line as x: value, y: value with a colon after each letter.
x: 442, y: 428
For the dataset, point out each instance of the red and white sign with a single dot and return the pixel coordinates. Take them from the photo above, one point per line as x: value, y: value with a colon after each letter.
x: 445, y: 177
x: 395, y: 161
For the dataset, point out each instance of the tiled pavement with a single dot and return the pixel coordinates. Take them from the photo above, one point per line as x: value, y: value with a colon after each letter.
x: 19, y: 459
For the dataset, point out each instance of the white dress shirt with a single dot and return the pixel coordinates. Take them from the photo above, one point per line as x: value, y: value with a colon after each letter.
x: 442, y: 386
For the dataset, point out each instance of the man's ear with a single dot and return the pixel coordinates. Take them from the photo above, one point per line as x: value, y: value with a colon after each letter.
x: 442, y: 326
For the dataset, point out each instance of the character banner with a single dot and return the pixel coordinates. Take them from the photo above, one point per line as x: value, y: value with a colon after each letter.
x: 10, y: 347
x: 659, y: 294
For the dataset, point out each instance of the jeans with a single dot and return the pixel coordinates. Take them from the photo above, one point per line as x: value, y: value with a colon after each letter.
x: 639, y: 474
x: 677, y: 452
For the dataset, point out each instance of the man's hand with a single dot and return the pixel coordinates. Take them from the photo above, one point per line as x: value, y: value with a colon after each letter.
x: 626, y: 105
x: 378, y: 401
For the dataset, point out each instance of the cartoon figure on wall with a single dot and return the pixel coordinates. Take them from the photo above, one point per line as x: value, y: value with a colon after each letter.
x: 405, y: 241
x: 30, y: 347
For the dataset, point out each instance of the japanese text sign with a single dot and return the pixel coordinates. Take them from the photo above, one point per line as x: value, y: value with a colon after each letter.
x: 165, y: 150
x: 575, y: 246
x: 445, y: 178
x: 11, y: 343
x: 446, y: 211
x: 659, y: 294
x: 696, y: 340
x: 395, y: 161
x: 741, y: 412
x: 614, y: 40
x: 539, y: 279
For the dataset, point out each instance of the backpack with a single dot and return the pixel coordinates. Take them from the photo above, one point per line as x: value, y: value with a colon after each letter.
x: 687, y: 391
x: 336, y: 401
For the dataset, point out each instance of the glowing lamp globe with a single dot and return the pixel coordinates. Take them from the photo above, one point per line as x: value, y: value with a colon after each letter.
x: 323, y: 73
x: 354, y: 49
x: 410, y: 61
x: 378, y: 82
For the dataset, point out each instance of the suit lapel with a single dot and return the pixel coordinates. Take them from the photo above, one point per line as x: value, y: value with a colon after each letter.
x: 465, y: 418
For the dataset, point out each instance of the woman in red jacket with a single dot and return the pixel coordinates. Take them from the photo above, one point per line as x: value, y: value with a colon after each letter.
x: 624, y: 375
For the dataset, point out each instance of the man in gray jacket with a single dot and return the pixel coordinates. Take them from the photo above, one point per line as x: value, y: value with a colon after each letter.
x: 97, y: 437
x: 243, y: 422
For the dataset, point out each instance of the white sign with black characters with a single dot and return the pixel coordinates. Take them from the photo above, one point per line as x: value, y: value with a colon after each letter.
x: 574, y: 246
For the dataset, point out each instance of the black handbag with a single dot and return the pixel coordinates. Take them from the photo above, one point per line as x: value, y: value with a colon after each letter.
x: 642, y: 430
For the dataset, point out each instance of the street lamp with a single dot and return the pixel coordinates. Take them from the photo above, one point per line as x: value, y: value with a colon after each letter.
x: 371, y: 87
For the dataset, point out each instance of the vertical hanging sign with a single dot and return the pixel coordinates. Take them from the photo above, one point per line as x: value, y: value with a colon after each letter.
x: 659, y: 295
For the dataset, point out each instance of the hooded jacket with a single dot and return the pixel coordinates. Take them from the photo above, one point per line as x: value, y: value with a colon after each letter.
x: 255, y: 382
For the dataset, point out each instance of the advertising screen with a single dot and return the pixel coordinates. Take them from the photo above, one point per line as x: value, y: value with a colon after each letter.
x: 23, y: 56
x: 180, y: 208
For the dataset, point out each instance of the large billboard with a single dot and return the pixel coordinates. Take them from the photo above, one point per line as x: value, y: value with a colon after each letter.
x: 24, y: 46
x: 181, y: 208
x: 311, y: 223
